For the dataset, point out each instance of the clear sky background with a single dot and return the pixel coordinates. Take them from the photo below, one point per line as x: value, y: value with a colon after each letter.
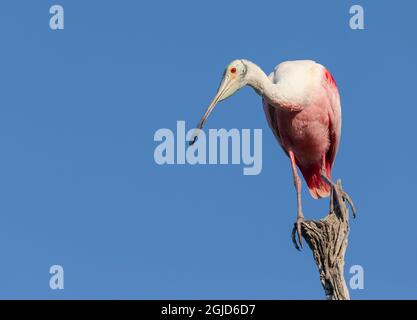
x: 79, y: 186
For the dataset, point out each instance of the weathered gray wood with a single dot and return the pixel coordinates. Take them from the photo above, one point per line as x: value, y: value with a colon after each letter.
x: 328, y: 240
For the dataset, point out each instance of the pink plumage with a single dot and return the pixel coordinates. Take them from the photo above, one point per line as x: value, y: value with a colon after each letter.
x: 302, y: 105
x: 313, y: 134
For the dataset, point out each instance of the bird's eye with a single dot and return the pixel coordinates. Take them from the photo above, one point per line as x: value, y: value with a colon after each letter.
x: 233, y: 70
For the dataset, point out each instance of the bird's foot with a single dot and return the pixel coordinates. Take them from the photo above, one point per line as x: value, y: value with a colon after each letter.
x: 347, y: 198
x: 297, y: 230
x: 339, y: 194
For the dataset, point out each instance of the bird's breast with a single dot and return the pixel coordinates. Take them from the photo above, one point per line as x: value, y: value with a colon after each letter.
x: 306, y: 133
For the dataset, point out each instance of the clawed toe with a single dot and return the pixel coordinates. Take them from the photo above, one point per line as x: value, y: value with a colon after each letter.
x: 342, y: 194
x: 297, y: 230
x: 347, y: 199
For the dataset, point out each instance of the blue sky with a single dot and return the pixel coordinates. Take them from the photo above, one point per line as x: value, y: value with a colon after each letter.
x: 79, y: 186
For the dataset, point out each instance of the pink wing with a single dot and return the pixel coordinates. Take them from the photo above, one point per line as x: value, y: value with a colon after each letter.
x: 271, y: 117
x: 335, y: 120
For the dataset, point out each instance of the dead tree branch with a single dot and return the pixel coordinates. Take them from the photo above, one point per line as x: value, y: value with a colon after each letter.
x: 328, y: 240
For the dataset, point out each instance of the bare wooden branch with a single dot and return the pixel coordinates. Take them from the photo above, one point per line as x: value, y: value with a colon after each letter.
x: 328, y: 240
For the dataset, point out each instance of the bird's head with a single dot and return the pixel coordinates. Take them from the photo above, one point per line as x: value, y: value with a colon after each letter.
x: 234, y: 78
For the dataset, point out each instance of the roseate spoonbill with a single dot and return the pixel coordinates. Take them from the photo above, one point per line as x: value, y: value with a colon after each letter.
x: 302, y: 105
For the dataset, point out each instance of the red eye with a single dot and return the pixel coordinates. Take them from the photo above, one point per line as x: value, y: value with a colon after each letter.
x: 233, y: 70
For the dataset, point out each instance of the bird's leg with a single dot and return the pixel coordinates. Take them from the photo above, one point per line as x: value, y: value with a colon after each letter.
x: 300, y: 215
x: 331, y: 206
x: 344, y: 195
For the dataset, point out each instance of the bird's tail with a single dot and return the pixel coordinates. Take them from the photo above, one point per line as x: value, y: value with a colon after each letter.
x: 317, y: 186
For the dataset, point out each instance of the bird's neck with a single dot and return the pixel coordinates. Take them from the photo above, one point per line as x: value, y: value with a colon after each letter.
x: 273, y: 93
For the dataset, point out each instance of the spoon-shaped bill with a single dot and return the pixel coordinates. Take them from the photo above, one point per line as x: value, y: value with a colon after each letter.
x: 221, y: 95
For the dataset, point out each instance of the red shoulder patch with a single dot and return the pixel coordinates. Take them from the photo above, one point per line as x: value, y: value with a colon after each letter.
x: 329, y: 78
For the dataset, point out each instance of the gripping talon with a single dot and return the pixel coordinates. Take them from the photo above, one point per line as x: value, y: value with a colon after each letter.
x: 297, y: 230
x: 347, y: 199
x: 294, y: 241
x: 344, y: 195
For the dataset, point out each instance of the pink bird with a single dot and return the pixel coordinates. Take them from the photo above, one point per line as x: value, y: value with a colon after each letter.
x: 302, y: 105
